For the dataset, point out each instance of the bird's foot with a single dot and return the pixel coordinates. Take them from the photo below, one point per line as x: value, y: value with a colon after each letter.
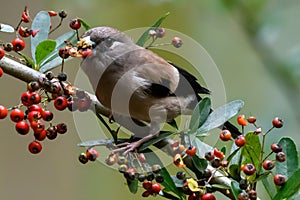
x: 127, y: 147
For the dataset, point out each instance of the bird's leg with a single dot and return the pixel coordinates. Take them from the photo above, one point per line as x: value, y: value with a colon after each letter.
x: 154, y: 131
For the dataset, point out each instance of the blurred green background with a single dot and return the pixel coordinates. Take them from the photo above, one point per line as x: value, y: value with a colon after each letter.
x: 255, y: 44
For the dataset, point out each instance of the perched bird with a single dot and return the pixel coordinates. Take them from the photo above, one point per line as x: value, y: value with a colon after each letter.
x: 133, y: 81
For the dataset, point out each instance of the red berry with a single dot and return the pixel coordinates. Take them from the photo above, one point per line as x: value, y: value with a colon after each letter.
x: 279, y: 179
x: 35, y: 108
x: 22, y: 127
x: 37, y: 126
x: 268, y: 164
x: 276, y: 148
x: 25, y: 98
x: 16, y: 115
x: 218, y: 153
x: 225, y: 135
x: 251, y: 120
x: 35, y: 147
x: 25, y: 18
x: 34, y: 32
x: 191, y: 151
x: 60, y: 103
x: 61, y: 128
x: 147, y: 193
x: 85, y: 53
x: 92, y: 154
x: 47, y: 115
x: 240, y: 141
x: 52, y: 13
x: 3, y: 112
x: 147, y: 185
x: 75, y: 24
x: 156, y: 187
x: 1, y: 71
x: 24, y: 32
x: 18, y: 44
x: 208, y: 196
x: 40, y: 136
x: 2, y: 53
x: 34, y: 116
x: 242, y: 121
x: 280, y: 157
x: 249, y: 169
x: 63, y: 53
x: 277, y: 122
x: 35, y: 98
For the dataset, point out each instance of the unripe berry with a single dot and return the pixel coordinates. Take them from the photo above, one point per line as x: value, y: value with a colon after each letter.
x: 8, y: 47
x: 18, y: 44
x: 242, y: 121
x: 35, y: 147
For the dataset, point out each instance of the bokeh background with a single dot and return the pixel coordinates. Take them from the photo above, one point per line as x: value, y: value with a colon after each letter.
x: 255, y: 44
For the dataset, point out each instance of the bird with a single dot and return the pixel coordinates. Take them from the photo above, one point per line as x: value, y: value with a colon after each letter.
x: 133, y: 81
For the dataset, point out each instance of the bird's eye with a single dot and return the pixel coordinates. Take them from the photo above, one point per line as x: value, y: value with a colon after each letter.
x: 109, y: 42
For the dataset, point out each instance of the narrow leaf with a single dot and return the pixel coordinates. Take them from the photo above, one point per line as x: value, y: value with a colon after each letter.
x: 43, y: 49
x: 200, y: 114
x: 291, y: 187
x: 145, y: 36
x: 85, y: 25
x: 133, y: 185
x: 234, y: 171
x: 168, y: 195
x: 29, y: 61
x: 90, y: 143
x: 270, y: 188
x: 41, y: 22
x: 251, y: 151
x: 235, y: 188
x: 6, y: 28
x: 291, y: 164
x: 162, y: 135
x: 232, y: 154
x: 219, y: 116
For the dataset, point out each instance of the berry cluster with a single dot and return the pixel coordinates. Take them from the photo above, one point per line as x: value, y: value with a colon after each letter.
x: 160, y: 32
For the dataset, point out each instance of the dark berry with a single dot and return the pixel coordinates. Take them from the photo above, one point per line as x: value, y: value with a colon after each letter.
x: 22, y: 127
x: 150, y: 176
x: 251, y: 120
x: 142, y: 177
x: 156, y: 168
x: 8, y: 47
x: 61, y: 128
x: 82, y: 158
x: 280, y: 157
x: 180, y: 175
x: 51, y: 133
x: 279, y: 179
x: 216, y: 163
x: 18, y: 44
x: 49, y: 75
x: 3, y: 112
x: 209, y: 156
x: 35, y: 147
x: 252, y: 195
x: 243, y: 184
x: 62, y: 14
x: 62, y: 76
x: 159, y: 178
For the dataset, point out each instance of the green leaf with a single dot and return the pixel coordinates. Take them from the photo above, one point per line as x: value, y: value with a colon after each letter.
x: 251, y: 151
x: 29, y: 61
x: 291, y: 164
x: 85, y: 25
x: 199, y: 163
x: 53, y: 60
x: 162, y: 135
x: 145, y: 36
x: 43, y: 49
x: 41, y: 22
x: 234, y: 171
x: 232, y: 154
x: 168, y: 183
x: 219, y: 116
x: 168, y: 195
x: 133, y: 185
x: 291, y: 187
x: 219, y: 186
x: 6, y: 28
x: 199, y: 115
x: 270, y: 188
x: 235, y: 188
